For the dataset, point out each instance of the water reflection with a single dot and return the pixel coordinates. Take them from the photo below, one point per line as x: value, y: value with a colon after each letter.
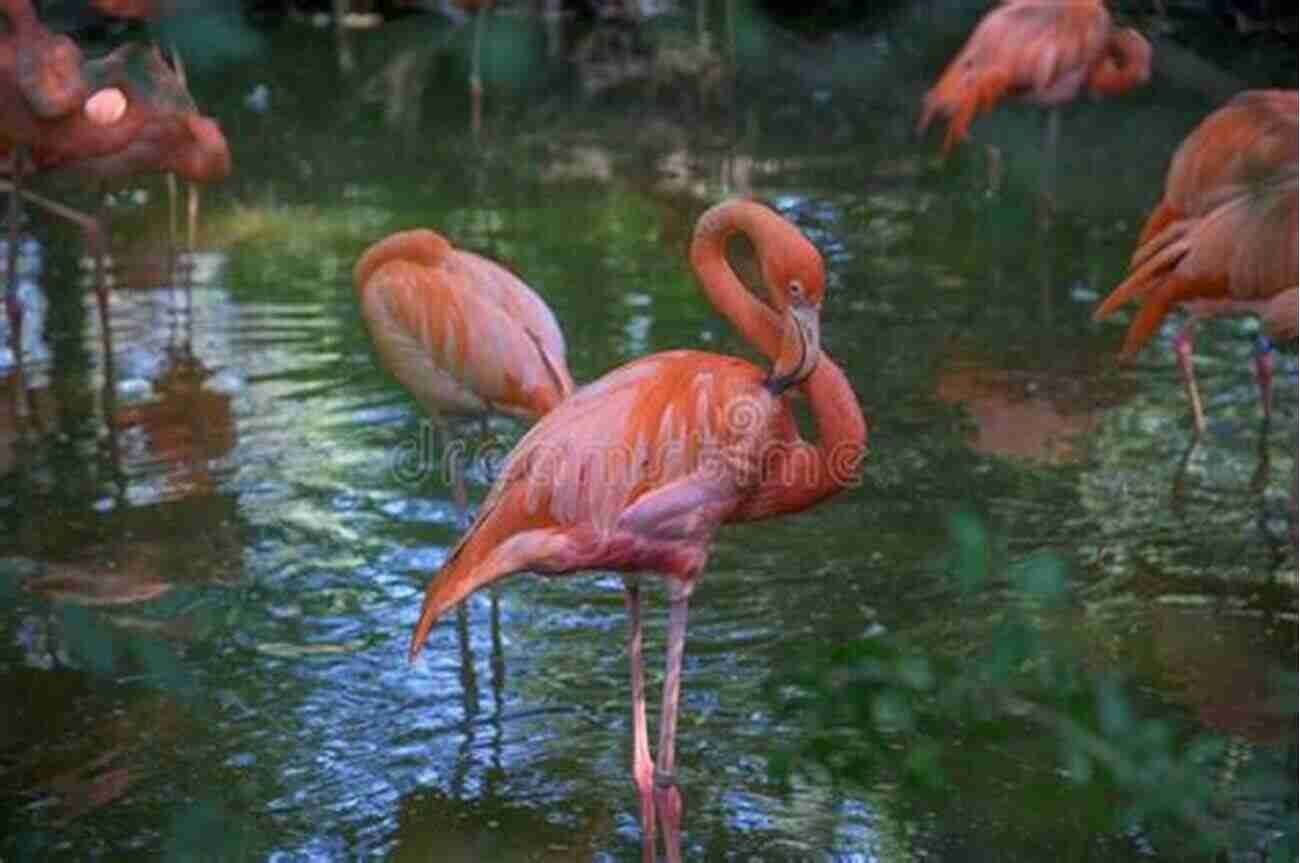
x: 1041, y: 414
x: 432, y: 826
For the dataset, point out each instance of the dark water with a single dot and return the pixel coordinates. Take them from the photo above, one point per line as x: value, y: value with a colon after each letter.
x: 211, y: 567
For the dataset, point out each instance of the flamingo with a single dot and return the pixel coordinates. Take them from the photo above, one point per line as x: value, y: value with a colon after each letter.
x: 462, y: 333
x: 636, y: 471
x: 1045, y: 51
x: 1222, y: 240
x: 141, y: 120
x: 480, y: 9
x: 139, y: 128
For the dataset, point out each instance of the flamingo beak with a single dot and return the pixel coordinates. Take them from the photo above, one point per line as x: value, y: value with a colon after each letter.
x: 800, y: 347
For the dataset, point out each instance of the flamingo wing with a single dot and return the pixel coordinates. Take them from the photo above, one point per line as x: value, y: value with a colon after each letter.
x: 1243, y: 249
x: 1226, y: 226
x: 1246, y: 138
x: 522, y: 303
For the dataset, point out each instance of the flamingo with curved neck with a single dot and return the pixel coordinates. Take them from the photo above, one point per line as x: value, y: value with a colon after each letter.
x: 636, y: 471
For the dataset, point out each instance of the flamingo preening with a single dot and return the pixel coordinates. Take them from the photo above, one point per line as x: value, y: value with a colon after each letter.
x: 636, y: 471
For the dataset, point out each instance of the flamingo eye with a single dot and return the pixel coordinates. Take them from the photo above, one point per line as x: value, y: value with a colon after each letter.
x: 796, y: 289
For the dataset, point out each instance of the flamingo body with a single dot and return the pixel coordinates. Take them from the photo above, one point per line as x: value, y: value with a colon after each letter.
x: 636, y: 471
x: 1045, y: 51
x: 1224, y: 234
x: 140, y: 120
x: 460, y: 332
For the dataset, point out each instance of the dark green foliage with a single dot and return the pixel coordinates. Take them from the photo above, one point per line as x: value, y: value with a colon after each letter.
x: 964, y: 724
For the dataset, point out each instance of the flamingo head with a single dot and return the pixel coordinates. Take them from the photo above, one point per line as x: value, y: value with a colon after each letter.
x: 796, y: 283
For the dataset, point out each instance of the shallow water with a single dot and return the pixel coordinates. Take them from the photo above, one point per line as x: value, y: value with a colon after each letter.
x: 214, y: 547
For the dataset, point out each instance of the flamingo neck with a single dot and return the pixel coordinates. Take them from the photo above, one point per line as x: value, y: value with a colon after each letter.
x: 806, y: 473
x: 756, y: 322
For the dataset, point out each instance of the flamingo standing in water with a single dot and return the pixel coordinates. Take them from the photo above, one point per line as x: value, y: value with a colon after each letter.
x: 142, y: 119
x: 1222, y: 240
x: 148, y: 123
x: 636, y: 471
x: 460, y: 332
x: 1045, y: 51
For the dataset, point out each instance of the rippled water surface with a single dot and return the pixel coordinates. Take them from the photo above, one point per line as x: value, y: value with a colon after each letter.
x: 211, y: 565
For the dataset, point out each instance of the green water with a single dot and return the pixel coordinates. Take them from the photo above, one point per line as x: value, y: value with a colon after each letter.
x: 209, y: 570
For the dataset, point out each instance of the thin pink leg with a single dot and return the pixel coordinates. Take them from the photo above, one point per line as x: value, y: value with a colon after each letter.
x: 642, y: 766
x: 12, y: 304
x: 475, y: 78
x: 668, y: 800
x: 1183, y: 350
x: 1264, y: 374
x: 454, y: 474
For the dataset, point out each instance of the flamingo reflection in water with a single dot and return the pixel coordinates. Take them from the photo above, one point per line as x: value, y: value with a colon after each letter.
x: 636, y: 471
x: 1030, y: 412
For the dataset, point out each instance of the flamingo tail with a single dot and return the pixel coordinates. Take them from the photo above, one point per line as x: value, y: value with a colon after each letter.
x: 959, y: 96
x: 1156, y: 305
x: 495, y: 546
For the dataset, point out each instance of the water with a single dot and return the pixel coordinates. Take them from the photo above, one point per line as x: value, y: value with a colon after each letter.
x: 211, y: 567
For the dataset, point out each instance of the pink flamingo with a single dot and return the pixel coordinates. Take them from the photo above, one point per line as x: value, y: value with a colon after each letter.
x: 636, y: 471
x: 462, y: 333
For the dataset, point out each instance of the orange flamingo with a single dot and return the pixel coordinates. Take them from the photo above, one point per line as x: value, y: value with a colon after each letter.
x: 1222, y: 240
x: 636, y: 471
x: 133, y: 126
x: 460, y: 332
x: 141, y: 120
x: 1045, y: 51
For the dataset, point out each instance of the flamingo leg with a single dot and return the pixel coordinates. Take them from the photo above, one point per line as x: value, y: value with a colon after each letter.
x: 642, y: 766
x: 475, y: 76
x: 90, y: 227
x: 668, y: 800
x: 13, y: 306
x: 171, y: 209
x: 455, y: 474
x: 1051, y: 143
x: 1183, y: 350
x: 192, y: 215
x: 1263, y: 360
